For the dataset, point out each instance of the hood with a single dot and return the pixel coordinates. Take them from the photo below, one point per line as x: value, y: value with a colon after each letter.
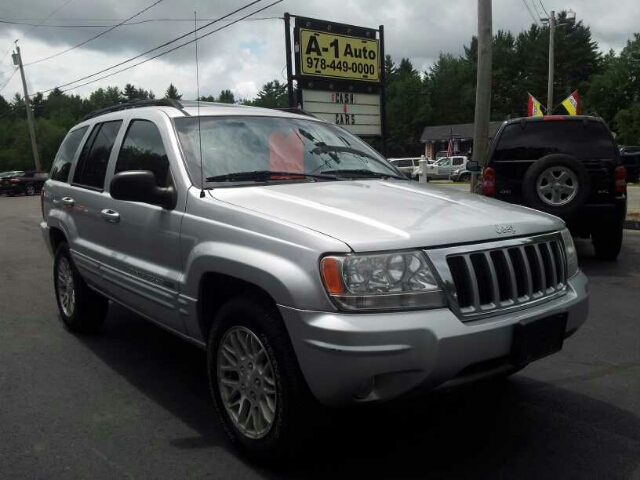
x: 371, y: 215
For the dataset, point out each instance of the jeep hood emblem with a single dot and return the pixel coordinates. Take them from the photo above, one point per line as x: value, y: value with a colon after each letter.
x: 504, y: 229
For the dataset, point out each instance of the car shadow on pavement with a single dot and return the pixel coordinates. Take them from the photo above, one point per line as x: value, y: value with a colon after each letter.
x: 519, y: 428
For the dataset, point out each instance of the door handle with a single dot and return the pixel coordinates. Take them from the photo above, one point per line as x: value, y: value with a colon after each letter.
x: 110, y: 215
x: 67, y: 201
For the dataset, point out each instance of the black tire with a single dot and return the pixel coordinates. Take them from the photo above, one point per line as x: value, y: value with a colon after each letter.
x: 294, y: 400
x: 464, y: 177
x: 29, y: 190
x: 90, y: 308
x: 607, y: 240
x: 530, y: 179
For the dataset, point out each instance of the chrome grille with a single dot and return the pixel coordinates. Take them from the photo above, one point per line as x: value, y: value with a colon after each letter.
x: 493, y: 277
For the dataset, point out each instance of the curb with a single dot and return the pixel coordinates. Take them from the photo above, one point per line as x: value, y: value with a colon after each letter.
x: 632, y: 224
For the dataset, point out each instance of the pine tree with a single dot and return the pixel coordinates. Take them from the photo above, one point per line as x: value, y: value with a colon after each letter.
x: 172, y: 92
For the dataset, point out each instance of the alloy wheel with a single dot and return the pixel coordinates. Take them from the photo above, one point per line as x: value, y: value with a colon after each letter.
x: 65, y: 287
x: 246, y: 382
x: 557, y: 186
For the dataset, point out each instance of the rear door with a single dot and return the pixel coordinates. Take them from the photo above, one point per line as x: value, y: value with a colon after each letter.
x: 83, y: 201
x: 144, y: 265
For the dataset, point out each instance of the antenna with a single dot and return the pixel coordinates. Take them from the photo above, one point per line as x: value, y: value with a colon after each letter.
x: 195, y: 33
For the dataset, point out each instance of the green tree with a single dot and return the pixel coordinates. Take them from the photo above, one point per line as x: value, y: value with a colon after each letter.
x: 272, y: 95
x: 226, y: 96
x: 172, y: 92
x: 627, y: 123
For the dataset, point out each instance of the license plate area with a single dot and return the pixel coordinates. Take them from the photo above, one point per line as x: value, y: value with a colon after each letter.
x: 535, y: 339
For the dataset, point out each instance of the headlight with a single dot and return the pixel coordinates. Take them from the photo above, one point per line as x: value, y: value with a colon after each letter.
x: 389, y: 281
x: 572, y: 255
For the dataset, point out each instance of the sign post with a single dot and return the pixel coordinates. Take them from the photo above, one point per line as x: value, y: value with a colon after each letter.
x: 339, y: 70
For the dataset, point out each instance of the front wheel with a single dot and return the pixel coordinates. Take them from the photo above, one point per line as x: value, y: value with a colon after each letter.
x: 607, y: 241
x: 82, y: 310
x: 30, y: 190
x: 256, y: 384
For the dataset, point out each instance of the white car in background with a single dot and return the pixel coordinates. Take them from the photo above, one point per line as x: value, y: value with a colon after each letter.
x: 444, y: 167
x: 406, y: 165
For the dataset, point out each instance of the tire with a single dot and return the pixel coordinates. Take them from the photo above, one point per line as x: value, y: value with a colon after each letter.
x: 29, y: 190
x: 293, y: 404
x: 465, y: 177
x: 556, y: 163
x: 607, y: 240
x: 81, y: 309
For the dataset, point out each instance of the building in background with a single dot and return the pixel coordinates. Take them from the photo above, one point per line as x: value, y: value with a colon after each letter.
x: 437, y: 138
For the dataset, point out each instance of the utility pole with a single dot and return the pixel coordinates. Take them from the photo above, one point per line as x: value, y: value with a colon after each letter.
x: 552, y: 53
x: 17, y: 60
x: 483, y: 87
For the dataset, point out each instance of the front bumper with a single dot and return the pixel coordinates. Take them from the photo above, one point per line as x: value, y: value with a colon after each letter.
x: 340, y: 354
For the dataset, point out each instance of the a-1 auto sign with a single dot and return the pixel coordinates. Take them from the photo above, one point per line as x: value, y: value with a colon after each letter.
x: 339, y: 74
x: 357, y: 112
x: 339, y: 56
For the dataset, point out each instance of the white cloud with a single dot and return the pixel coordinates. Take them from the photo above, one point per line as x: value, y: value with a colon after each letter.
x: 246, y: 55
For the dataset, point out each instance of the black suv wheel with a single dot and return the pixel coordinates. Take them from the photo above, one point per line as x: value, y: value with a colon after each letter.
x: 557, y: 184
x: 607, y: 240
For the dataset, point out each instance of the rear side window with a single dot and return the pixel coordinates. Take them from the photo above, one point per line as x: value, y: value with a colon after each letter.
x: 458, y: 161
x: 537, y: 139
x: 92, y: 165
x: 142, y: 149
x: 403, y: 163
x: 66, y: 152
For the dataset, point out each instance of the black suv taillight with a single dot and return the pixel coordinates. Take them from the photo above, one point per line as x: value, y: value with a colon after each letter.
x: 620, y: 180
x: 42, y: 194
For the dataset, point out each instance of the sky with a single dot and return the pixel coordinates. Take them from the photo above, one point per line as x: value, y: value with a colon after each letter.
x: 250, y: 53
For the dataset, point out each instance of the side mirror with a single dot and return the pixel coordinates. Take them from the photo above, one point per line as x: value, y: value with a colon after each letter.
x: 473, y: 166
x: 140, y: 186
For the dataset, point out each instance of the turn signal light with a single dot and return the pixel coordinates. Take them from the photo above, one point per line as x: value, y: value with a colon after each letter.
x: 331, y: 276
x: 621, y: 180
x: 489, y: 182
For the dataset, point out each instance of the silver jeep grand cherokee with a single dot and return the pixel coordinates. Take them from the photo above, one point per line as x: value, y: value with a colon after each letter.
x: 309, y: 268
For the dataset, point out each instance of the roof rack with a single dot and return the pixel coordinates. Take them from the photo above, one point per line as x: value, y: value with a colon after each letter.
x: 163, y: 102
x: 299, y: 111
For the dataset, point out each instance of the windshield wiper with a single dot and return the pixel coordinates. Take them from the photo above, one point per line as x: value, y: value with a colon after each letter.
x: 361, y: 172
x: 321, y: 147
x: 265, y: 175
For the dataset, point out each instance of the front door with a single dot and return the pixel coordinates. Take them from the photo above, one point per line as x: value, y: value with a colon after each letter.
x: 144, y: 264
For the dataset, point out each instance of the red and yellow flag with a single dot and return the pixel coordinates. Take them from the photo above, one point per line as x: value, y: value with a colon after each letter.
x: 572, y: 103
x: 534, y: 108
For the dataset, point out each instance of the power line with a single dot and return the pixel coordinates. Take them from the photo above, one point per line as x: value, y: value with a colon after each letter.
x: 544, y: 9
x: 95, y: 36
x: 156, y: 48
x: 48, y: 17
x: 172, y: 49
x: 535, y: 9
x: 8, y: 79
x: 140, y: 22
x: 535, y: 20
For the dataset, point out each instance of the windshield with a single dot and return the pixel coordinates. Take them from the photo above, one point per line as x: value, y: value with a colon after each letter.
x: 232, y: 145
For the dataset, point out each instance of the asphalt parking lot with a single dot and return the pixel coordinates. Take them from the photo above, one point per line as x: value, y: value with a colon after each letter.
x: 133, y: 402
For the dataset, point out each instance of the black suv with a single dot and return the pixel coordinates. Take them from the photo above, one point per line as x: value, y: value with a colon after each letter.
x: 568, y: 166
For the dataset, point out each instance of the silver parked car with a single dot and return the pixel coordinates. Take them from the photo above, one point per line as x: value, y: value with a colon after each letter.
x: 304, y: 263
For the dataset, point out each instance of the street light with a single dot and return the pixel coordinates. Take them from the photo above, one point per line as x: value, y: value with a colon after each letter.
x: 570, y: 20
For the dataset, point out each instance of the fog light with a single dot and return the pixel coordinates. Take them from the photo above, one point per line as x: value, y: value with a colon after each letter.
x: 365, y: 388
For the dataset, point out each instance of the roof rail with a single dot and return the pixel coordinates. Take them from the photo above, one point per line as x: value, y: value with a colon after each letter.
x: 163, y: 102
x: 299, y: 111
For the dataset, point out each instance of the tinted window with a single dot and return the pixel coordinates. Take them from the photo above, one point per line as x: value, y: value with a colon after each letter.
x: 66, y: 152
x: 403, y: 163
x: 458, y: 161
x: 142, y: 149
x: 94, y: 159
x: 538, y: 139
